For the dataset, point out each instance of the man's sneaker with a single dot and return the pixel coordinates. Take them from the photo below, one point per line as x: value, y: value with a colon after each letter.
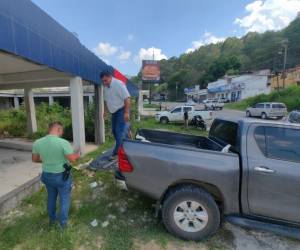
x: 113, y: 158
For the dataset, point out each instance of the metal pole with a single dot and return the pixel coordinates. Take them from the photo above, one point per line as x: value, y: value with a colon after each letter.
x: 285, y: 45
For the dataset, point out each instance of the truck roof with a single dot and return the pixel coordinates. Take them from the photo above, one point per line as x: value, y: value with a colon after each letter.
x: 246, y: 120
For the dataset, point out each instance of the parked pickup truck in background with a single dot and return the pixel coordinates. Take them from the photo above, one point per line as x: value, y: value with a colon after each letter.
x: 247, y: 171
x: 213, y: 104
x: 176, y: 114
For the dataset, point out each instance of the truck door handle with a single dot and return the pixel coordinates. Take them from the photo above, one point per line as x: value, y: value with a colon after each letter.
x: 264, y: 169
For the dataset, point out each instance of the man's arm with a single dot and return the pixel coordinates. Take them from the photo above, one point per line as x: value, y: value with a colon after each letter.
x: 126, y: 109
x: 73, y: 157
x: 36, y: 158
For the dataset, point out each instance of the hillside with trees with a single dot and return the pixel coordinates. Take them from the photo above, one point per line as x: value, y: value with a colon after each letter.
x: 254, y: 51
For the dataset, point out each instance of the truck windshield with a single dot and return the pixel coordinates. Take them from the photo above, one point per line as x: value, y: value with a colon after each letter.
x: 224, y: 132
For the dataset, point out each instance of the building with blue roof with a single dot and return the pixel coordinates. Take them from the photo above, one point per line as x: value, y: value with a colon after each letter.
x: 37, y: 52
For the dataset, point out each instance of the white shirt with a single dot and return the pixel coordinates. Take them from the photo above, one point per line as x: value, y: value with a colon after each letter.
x: 115, y: 95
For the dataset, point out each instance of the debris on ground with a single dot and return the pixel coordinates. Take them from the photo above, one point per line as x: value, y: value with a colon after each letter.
x: 105, y: 224
x: 94, y: 223
x: 93, y: 184
x: 83, y: 165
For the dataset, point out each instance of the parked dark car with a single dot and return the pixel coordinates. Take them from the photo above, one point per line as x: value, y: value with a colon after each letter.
x: 246, y: 171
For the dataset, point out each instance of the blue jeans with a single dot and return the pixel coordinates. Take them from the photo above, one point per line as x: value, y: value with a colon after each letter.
x: 56, y: 186
x: 119, y: 128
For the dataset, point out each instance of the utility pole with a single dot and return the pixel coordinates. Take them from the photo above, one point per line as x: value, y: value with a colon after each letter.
x: 284, y: 44
x: 176, y: 90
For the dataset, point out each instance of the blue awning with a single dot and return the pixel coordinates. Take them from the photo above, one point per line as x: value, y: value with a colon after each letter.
x: 29, y: 32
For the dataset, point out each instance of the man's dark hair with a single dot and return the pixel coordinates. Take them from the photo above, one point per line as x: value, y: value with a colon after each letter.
x: 53, y: 124
x: 105, y: 73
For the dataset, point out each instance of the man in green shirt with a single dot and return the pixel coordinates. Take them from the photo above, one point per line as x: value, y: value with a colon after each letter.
x: 54, y: 152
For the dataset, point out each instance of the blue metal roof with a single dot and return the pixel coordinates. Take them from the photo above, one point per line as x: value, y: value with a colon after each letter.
x: 29, y: 32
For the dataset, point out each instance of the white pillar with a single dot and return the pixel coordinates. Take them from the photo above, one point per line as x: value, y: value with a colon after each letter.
x: 30, y: 111
x: 16, y: 102
x: 90, y: 99
x: 51, y: 100
x: 99, y: 117
x: 77, y: 110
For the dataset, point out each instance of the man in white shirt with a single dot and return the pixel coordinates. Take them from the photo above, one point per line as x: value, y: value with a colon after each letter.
x: 117, y: 100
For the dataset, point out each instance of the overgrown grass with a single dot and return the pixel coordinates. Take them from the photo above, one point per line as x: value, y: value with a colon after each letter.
x: 26, y: 227
x: 290, y: 96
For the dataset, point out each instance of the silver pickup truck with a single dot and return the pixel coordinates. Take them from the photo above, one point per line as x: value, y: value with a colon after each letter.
x: 246, y: 171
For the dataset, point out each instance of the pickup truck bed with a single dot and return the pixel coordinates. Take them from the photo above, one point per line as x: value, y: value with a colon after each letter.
x: 176, y: 139
x: 164, y: 159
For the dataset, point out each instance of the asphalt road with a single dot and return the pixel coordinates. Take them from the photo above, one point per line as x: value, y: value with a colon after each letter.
x: 228, y: 113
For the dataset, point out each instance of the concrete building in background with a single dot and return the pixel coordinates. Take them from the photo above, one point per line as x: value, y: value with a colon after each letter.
x: 61, y: 95
x: 236, y: 88
x: 292, y: 78
x: 38, y: 52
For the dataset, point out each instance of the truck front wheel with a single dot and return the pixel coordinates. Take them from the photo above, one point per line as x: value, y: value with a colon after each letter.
x: 190, y: 213
x: 164, y: 120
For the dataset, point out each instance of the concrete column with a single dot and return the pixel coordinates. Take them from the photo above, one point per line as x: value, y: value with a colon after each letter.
x: 99, y: 116
x: 30, y: 111
x: 51, y: 100
x: 77, y: 110
x: 16, y: 102
x: 90, y: 99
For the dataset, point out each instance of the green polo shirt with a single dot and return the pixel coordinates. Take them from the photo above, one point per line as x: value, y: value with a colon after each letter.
x: 52, y: 150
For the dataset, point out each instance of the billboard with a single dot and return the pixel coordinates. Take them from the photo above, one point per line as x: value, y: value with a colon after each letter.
x: 151, y: 71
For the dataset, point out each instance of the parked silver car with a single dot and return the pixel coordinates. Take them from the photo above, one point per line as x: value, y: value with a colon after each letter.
x: 267, y: 110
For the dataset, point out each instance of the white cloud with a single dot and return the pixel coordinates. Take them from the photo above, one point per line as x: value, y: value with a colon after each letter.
x: 124, y: 55
x: 105, y: 49
x: 268, y: 15
x: 130, y: 37
x: 207, y: 38
x: 147, y: 54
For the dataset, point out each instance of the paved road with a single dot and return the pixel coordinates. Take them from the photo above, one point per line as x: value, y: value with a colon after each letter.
x: 228, y: 113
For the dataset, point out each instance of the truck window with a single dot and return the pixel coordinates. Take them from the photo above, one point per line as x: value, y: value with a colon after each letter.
x: 225, y: 132
x: 188, y: 109
x: 279, y: 143
x: 177, y: 110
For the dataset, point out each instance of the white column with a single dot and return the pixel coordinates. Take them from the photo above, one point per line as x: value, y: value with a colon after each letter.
x: 90, y: 99
x: 30, y: 111
x: 99, y: 117
x: 51, y: 100
x: 16, y: 102
x: 77, y: 110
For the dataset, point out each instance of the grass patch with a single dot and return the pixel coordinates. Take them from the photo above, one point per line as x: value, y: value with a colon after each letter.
x: 289, y: 96
x: 26, y: 227
x: 152, y: 106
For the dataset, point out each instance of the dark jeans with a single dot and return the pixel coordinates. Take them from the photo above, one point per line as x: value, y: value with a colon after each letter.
x: 56, y: 186
x: 119, y: 128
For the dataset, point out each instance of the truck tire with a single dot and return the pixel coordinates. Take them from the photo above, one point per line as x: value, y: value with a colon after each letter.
x: 164, y: 120
x: 190, y: 213
x: 248, y: 114
x: 264, y: 116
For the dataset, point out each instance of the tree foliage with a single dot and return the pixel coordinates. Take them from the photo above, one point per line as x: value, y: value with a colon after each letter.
x: 252, y: 52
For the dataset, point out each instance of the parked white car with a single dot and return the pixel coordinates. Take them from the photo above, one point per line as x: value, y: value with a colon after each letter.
x: 267, y: 110
x: 213, y: 104
x: 177, y: 114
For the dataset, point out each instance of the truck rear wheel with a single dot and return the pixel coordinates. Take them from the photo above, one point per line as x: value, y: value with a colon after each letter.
x: 190, y: 213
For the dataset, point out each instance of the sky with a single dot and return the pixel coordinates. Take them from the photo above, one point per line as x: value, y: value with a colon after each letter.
x: 124, y: 32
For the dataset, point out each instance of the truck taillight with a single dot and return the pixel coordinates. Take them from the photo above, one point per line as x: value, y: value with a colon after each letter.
x: 124, y: 164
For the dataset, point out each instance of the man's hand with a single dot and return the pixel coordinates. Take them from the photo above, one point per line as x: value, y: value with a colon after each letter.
x: 126, y: 117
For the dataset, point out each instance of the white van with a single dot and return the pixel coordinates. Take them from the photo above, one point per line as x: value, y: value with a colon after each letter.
x: 267, y: 110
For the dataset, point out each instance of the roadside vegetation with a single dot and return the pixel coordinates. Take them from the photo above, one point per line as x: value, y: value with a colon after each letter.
x: 151, y: 106
x: 289, y: 96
